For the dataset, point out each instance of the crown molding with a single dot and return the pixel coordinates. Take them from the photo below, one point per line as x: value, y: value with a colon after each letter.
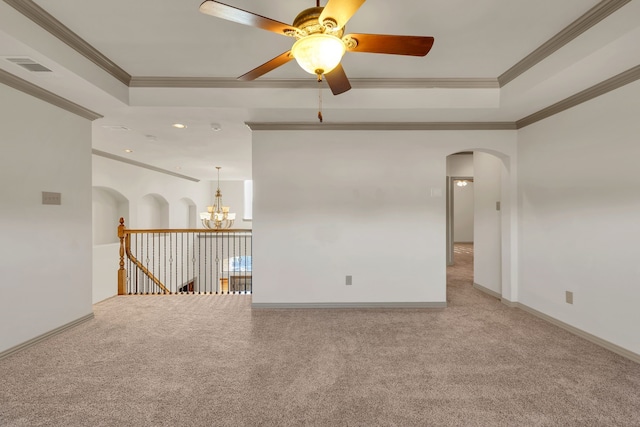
x: 226, y: 83
x: 41, y: 17
x: 45, y: 20
x: 391, y: 126
x: 596, y: 14
x: 601, y: 88
x: 577, y: 27
x: 43, y: 94
x: 141, y: 165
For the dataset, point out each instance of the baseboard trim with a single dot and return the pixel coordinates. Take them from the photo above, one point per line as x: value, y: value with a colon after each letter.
x: 635, y: 357
x: 45, y: 336
x: 487, y: 291
x: 509, y: 303
x: 259, y: 305
x: 106, y: 299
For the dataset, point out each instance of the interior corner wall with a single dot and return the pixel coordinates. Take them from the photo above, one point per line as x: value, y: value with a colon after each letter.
x: 371, y: 205
x: 46, y: 255
x: 487, y: 265
x: 579, y: 204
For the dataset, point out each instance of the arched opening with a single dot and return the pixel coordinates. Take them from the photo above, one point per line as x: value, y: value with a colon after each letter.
x: 108, y: 206
x: 153, y: 212
x: 188, y: 213
x: 487, y: 174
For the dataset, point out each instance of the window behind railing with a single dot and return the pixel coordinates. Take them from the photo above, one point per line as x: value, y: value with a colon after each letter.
x: 184, y: 261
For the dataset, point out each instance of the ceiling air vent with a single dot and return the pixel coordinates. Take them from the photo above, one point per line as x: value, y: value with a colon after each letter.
x: 29, y: 64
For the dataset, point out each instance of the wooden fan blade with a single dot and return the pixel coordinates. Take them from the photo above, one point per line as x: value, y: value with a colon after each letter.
x: 394, y: 45
x: 267, y: 66
x: 230, y: 13
x: 337, y: 80
x: 340, y: 11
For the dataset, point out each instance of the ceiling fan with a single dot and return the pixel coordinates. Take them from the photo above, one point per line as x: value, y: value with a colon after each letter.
x: 321, y: 41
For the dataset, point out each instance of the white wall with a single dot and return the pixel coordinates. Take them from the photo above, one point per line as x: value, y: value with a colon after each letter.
x: 153, y: 211
x: 366, y: 204
x: 46, y: 251
x: 108, y: 207
x: 187, y: 214
x: 463, y: 213
x: 461, y: 165
x: 105, y: 266
x: 487, y: 264
x: 579, y: 203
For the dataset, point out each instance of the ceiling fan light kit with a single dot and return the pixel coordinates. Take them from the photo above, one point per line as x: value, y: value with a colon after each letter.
x: 321, y: 42
x: 318, y: 53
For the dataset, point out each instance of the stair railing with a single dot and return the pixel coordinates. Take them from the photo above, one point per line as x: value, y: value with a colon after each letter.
x: 179, y: 261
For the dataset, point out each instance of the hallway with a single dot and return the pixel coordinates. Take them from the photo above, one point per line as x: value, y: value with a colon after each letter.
x: 460, y: 291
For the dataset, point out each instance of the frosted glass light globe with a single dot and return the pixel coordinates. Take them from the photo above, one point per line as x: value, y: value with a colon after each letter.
x: 318, y: 53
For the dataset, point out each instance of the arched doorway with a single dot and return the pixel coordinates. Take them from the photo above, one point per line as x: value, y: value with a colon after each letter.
x: 488, y: 174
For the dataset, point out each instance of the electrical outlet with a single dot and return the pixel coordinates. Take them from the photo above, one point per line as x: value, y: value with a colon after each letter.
x: 569, y: 297
x: 348, y: 281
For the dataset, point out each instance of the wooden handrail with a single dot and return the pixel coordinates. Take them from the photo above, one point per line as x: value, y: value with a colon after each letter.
x: 187, y: 230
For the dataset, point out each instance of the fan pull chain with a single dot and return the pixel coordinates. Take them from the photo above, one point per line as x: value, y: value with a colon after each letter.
x: 320, y: 97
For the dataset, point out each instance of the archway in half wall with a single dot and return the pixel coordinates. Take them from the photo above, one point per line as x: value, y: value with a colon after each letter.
x: 108, y: 206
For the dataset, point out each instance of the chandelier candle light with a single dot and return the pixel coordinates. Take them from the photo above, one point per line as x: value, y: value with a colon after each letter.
x: 217, y: 216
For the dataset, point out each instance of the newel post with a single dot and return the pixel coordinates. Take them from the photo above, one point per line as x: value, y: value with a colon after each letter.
x: 122, y: 273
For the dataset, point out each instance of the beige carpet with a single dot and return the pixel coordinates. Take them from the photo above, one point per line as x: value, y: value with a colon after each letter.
x: 211, y: 361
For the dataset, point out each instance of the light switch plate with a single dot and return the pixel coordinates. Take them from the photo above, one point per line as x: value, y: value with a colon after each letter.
x: 569, y: 297
x: 49, y: 198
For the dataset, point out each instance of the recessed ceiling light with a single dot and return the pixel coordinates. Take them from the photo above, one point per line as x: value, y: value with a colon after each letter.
x: 216, y: 127
x: 179, y: 126
x: 128, y: 150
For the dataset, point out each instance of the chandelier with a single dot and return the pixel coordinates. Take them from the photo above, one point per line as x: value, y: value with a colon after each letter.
x: 217, y: 216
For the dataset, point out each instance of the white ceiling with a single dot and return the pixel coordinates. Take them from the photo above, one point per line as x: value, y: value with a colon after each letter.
x: 163, y: 38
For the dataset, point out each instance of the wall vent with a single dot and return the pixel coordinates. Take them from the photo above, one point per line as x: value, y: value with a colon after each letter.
x: 28, y: 64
